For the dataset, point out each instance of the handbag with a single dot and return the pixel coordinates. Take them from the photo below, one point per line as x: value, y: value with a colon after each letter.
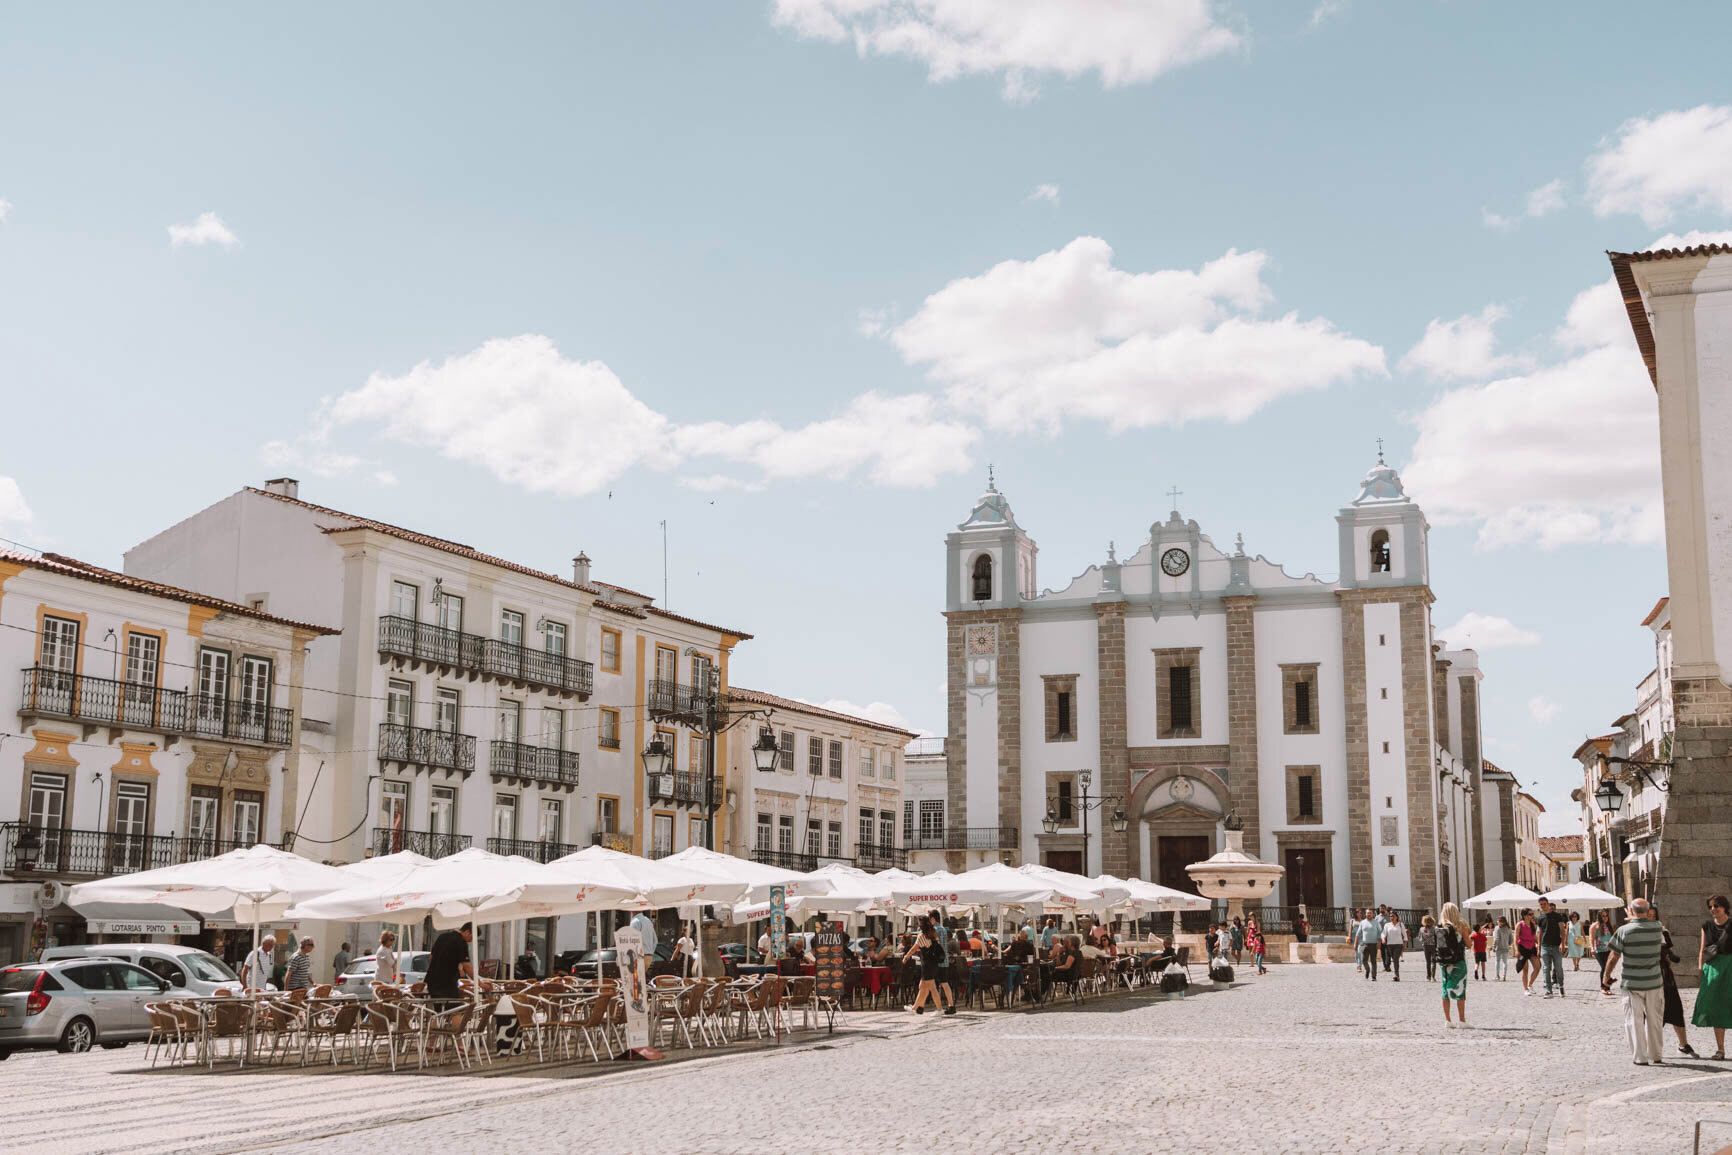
x: 1715, y: 947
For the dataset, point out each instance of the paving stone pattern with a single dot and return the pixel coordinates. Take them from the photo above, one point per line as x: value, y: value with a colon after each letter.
x: 1307, y: 1059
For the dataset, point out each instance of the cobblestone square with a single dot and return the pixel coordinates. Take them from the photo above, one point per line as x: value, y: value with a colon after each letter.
x: 1306, y: 1059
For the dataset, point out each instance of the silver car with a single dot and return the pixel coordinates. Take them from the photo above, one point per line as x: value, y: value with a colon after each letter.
x: 357, y: 978
x: 75, y: 1004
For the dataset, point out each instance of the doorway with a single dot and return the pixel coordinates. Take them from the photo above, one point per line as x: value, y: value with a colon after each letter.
x: 1307, y: 878
x: 1066, y: 860
x: 1173, y: 852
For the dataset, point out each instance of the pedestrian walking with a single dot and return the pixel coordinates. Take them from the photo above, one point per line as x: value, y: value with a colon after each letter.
x: 1238, y: 938
x: 1394, y: 942
x: 930, y: 955
x: 1527, y: 940
x: 1452, y: 935
x: 256, y: 971
x: 1212, y: 941
x: 1477, y: 939
x: 1369, y: 936
x: 340, y: 962
x: 1577, y: 939
x: 385, y: 959
x: 1673, y: 1015
x: 1502, y: 938
x: 1714, y: 997
x: 1254, y: 943
x: 1428, y: 944
x: 1600, y: 940
x: 1382, y: 920
x: 1552, y: 925
x: 299, y: 974
x: 1637, y: 946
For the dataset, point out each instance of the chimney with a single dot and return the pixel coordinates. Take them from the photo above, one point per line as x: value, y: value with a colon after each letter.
x: 283, y: 487
x: 580, y: 569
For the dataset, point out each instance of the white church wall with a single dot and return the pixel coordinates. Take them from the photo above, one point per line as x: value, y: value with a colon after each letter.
x: 1058, y: 647
x: 1175, y: 630
x: 1384, y: 723
x: 1288, y: 636
x: 981, y: 754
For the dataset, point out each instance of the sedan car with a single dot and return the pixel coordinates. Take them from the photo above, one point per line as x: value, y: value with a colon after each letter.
x: 604, y: 963
x: 74, y: 1004
x: 358, y: 977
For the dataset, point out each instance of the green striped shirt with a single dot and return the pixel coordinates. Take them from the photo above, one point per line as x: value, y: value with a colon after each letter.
x: 1639, y: 942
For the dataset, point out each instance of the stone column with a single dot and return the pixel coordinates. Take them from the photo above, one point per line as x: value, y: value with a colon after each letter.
x: 1115, y: 761
x: 1506, y: 789
x: 1358, y: 833
x: 1696, y: 842
x: 1470, y: 757
x: 1423, y: 798
x: 1242, y: 713
x: 1010, y: 811
x: 956, y: 735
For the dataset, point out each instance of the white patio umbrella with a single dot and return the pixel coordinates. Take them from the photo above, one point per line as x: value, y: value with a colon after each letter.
x: 853, y: 891
x: 759, y: 877
x: 660, y: 882
x: 258, y: 882
x: 992, y: 884
x: 1097, y: 895
x: 1582, y: 896
x: 1503, y: 896
x: 385, y: 865
x: 1152, y: 898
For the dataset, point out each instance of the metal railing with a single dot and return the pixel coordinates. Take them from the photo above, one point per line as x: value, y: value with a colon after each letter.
x: 424, y: 642
x: 620, y: 840
x: 966, y: 838
x: 786, y: 859
x: 671, y: 699
x: 420, y: 746
x: 426, y: 843
x: 876, y: 856
x: 526, y: 848
x: 680, y: 786
x: 102, y: 852
x: 608, y: 741
x: 533, y: 763
x: 519, y: 663
x: 78, y: 697
x: 1318, y: 919
x: 402, y: 637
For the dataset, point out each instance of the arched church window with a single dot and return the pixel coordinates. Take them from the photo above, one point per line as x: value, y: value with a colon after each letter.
x: 1380, y: 551
x: 983, y: 578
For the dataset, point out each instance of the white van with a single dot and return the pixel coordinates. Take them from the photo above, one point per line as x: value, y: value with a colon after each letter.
x: 187, y: 969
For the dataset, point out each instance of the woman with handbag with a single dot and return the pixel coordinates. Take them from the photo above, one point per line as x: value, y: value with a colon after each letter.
x: 1673, y: 1015
x: 1600, y: 941
x: 1714, y: 997
x: 1452, y: 936
x: 1576, y: 940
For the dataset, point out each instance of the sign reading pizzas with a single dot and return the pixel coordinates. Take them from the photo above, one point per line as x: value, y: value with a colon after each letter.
x: 827, y: 947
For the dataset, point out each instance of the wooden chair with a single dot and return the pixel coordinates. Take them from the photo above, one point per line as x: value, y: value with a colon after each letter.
x: 164, y: 1028
x: 335, y: 1029
x: 450, y: 1028
x: 282, y: 1021
x: 225, y: 1020
x: 533, y: 1018
x: 388, y: 1022
x: 799, y: 994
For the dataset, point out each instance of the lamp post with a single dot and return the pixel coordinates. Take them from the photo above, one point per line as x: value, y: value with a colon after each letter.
x: 708, y: 712
x: 1119, y: 819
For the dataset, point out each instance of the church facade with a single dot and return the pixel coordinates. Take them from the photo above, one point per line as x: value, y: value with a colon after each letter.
x: 1110, y: 726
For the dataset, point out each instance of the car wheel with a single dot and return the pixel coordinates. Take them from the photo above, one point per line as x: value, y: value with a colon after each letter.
x: 77, y: 1037
x: 4, y: 1055
x: 112, y: 1046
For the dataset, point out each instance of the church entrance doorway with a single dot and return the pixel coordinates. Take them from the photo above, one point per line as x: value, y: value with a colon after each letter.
x: 1307, y: 878
x: 1174, y: 852
x: 1066, y: 860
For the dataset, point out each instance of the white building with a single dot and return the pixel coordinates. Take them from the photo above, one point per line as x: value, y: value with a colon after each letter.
x: 470, y: 699
x: 924, y: 794
x: 834, y: 796
x: 155, y: 726
x: 1531, y: 865
x: 1186, y: 682
x: 1565, y: 856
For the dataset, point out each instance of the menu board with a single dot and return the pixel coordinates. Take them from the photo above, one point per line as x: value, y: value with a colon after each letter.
x: 827, y: 947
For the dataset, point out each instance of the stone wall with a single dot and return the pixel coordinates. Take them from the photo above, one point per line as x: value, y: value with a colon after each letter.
x: 1357, y: 843
x: 1242, y: 714
x: 1115, y: 773
x: 1422, y: 799
x: 1696, y: 845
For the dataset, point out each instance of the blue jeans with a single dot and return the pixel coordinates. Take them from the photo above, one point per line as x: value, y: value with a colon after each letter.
x: 1012, y: 981
x: 1552, y: 963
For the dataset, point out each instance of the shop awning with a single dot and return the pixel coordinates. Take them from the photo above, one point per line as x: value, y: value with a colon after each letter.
x: 136, y: 918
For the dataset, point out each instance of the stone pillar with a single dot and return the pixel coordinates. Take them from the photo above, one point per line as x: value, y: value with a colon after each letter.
x: 1115, y: 761
x: 956, y: 734
x: 1358, y: 833
x: 1470, y: 757
x: 1506, y: 789
x: 1423, y: 800
x: 1242, y: 713
x: 1696, y: 841
x: 1010, y: 726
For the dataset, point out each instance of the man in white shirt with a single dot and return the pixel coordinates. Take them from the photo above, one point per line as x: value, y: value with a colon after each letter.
x: 766, y: 947
x: 256, y: 971
x: 646, y: 926
x: 1394, y: 939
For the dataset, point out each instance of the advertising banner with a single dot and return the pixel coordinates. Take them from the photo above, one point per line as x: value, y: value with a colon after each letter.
x: 633, y: 987
x: 779, y: 920
x: 827, y: 947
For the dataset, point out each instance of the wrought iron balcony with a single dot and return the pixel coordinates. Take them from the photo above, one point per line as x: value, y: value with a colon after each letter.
x: 672, y: 701
x: 103, y: 701
x: 444, y: 648
x: 533, y: 764
x: 681, y: 787
x: 608, y: 741
x: 524, y: 848
x: 620, y: 840
x: 419, y: 746
x: 966, y: 838
x: 241, y: 721
x: 880, y: 856
x: 786, y: 859
x: 423, y: 842
x: 518, y: 663
x: 60, y: 851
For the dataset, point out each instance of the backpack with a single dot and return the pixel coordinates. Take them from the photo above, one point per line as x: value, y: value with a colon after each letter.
x: 1449, y: 946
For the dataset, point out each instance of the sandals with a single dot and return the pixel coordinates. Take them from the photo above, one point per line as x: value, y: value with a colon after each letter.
x: 1718, y: 1055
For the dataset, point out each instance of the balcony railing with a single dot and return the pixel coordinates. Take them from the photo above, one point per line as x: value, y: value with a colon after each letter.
x: 102, y: 852
x: 423, y: 842
x: 966, y: 838
x: 519, y: 663
x: 874, y: 856
x: 682, y: 787
x: 675, y: 701
x: 786, y: 859
x: 241, y: 721
x: 524, y: 848
x: 419, y: 746
x: 77, y: 697
x: 401, y: 637
x: 620, y: 840
x: 608, y: 741
x: 54, y: 694
x: 533, y: 763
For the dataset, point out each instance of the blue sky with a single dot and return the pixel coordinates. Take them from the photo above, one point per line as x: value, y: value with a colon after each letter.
x: 788, y: 275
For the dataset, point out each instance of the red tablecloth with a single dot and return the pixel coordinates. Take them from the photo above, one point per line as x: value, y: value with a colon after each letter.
x: 876, y: 979
x: 809, y: 968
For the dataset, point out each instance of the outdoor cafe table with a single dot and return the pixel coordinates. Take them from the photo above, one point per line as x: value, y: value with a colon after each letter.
x: 876, y: 979
x: 756, y: 969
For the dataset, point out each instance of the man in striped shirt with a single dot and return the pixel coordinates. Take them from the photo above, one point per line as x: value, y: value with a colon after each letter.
x: 1637, y: 944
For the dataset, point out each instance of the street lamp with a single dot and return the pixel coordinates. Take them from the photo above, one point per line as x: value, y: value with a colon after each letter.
x: 765, y: 750
x: 1610, y: 798
x: 1119, y: 819
x: 657, y: 758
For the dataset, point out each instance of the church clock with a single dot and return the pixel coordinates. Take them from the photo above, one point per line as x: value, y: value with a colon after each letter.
x: 1175, y: 562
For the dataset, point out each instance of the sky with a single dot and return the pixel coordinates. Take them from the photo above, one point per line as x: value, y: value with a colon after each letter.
x: 789, y: 275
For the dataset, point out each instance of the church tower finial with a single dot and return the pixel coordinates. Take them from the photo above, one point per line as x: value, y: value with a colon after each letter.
x: 1380, y: 460
x: 991, y: 482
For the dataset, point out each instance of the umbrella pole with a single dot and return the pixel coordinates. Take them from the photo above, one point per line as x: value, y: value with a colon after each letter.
x: 699, y: 939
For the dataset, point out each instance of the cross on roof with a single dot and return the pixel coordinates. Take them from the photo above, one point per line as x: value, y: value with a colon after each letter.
x: 1380, y: 451
x: 991, y: 482
x: 1174, y: 493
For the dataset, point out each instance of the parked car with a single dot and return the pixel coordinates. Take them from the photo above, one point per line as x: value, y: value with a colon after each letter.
x: 74, y: 1004
x: 187, y: 969
x: 734, y: 952
x: 357, y: 979
x: 604, y: 963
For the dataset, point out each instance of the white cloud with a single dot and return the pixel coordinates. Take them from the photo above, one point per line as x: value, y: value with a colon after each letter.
x: 1044, y: 192
x: 1462, y: 348
x: 309, y: 455
x: 14, y: 510
x: 876, y: 712
x: 5, y: 209
x: 1543, y: 201
x: 1485, y: 632
x: 874, y: 322
x: 1542, y: 709
x: 1327, y: 10
x: 1564, y: 454
x: 384, y: 477
x: 536, y: 419
x: 1123, y: 41
x: 207, y: 230
x: 719, y: 483
x: 1657, y: 166
x: 1028, y: 343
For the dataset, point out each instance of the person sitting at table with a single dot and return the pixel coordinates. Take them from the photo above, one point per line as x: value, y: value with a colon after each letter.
x: 1064, y: 960
x: 766, y: 947
x: 1164, y: 957
x: 1021, y: 951
x: 1089, y: 949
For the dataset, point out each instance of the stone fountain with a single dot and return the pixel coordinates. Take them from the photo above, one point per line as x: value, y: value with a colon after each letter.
x: 1234, y: 875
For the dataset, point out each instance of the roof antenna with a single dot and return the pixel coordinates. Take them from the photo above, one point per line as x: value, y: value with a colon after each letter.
x: 664, y: 563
